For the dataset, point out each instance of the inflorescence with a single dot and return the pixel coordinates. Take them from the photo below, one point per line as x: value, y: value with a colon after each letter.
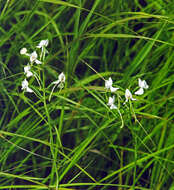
x: 128, y: 95
x: 29, y: 71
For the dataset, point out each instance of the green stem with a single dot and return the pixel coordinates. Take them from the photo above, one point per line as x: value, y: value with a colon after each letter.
x: 54, y: 168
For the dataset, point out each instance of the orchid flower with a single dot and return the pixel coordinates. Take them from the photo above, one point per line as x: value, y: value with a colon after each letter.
x: 108, y: 85
x: 33, y: 58
x: 25, y: 86
x: 42, y: 45
x: 28, y: 74
x: 61, y: 79
x: 27, y: 71
x: 128, y: 96
x: 60, y: 82
x: 143, y: 85
x: 23, y: 51
x: 111, y: 103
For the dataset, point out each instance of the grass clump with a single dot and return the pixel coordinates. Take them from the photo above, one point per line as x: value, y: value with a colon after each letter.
x: 86, y: 94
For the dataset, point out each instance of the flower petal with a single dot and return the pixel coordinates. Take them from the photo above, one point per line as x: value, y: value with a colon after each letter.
x: 23, y: 51
x: 56, y: 82
x: 142, y: 84
x: 38, y: 62
x: 108, y: 83
x: 113, y: 89
x: 24, y: 84
x: 61, y: 77
x: 111, y: 101
x: 29, y: 74
x: 113, y: 106
x: 145, y: 85
x: 29, y: 90
x: 128, y: 94
x: 42, y: 43
x: 27, y: 68
x: 139, y: 92
x: 33, y: 56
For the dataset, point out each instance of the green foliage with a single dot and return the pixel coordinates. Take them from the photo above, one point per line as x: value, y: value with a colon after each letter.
x: 69, y: 138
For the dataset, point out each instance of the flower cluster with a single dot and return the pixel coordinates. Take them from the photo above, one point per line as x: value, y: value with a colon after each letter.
x: 128, y: 95
x: 33, y: 58
x: 108, y: 86
x: 39, y: 59
x: 29, y: 71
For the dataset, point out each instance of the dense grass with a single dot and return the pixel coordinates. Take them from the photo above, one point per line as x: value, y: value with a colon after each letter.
x: 74, y: 141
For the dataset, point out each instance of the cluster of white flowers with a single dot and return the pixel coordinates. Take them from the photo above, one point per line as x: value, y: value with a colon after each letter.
x: 108, y: 86
x: 128, y: 95
x: 28, y: 71
x: 33, y: 57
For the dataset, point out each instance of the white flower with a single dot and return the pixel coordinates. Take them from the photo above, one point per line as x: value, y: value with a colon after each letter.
x: 28, y: 74
x: 27, y: 71
x: 143, y: 85
x: 60, y: 82
x: 111, y: 103
x: 128, y: 96
x: 108, y: 85
x: 23, y: 51
x: 61, y: 79
x: 33, y: 58
x: 42, y: 43
x: 25, y: 86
